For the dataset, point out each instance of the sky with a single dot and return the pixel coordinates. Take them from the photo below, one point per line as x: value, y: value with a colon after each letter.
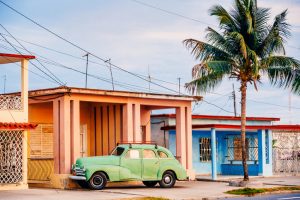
x: 140, y: 39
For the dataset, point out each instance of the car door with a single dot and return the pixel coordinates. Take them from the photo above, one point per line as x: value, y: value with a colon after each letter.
x: 131, y: 165
x: 150, y: 165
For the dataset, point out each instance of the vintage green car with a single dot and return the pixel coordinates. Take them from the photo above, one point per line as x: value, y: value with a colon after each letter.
x: 149, y: 163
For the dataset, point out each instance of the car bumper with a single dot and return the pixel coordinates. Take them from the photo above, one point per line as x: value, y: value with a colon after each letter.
x: 78, y: 178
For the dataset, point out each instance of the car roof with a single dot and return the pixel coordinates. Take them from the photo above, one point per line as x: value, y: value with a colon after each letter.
x: 143, y: 146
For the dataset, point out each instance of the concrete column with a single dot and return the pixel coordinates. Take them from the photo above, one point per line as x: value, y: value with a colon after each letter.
x: 270, y: 146
x: 181, y: 136
x: 137, y: 123
x: 261, y: 151
x: 213, y: 154
x: 56, y: 139
x: 75, y: 130
x: 189, y: 143
x: 127, y: 123
x: 65, y: 139
x: 146, y: 121
x: 268, y: 168
x: 24, y: 88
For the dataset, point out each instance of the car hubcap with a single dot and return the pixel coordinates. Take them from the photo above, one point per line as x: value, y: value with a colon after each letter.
x: 167, y: 179
x: 97, y: 180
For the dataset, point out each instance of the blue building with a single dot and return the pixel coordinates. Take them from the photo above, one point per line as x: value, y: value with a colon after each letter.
x: 217, y: 143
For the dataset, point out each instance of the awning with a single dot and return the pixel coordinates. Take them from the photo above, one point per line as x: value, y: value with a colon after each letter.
x: 17, y: 126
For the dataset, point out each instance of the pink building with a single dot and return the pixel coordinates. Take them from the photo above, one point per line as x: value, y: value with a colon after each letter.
x: 76, y: 122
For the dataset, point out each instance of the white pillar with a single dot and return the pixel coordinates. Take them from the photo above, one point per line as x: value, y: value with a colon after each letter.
x: 213, y: 154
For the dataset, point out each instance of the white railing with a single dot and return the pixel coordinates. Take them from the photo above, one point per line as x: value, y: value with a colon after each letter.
x: 10, y: 102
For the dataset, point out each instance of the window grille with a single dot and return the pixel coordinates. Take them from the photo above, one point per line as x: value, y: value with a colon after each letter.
x: 10, y: 102
x: 11, y: 156
x: 205, y: 149
x: 234, y: 148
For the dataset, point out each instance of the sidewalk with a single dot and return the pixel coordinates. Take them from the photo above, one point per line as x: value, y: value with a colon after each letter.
x: 258, y: 180
x: 182, y: 190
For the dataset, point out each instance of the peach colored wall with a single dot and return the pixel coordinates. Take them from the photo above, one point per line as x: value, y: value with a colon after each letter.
x: 41, y: 113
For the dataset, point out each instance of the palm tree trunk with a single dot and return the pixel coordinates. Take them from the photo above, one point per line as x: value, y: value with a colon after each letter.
x: 243, y: 129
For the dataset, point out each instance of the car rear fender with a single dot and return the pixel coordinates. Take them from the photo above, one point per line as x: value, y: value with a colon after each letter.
x: 179, y: 171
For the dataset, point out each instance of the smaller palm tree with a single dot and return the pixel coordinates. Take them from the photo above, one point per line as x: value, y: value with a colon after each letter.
x: 245, y: 49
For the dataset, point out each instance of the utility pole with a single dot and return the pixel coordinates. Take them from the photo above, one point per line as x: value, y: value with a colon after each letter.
x: 111, y: 74
x: 4, y: 84
x: 234, y: 99
x: 179, y: 85
x: 86, y: 68
x: 149, y: 78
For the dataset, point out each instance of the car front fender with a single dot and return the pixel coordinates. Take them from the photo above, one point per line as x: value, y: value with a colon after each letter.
x: 112, y: 171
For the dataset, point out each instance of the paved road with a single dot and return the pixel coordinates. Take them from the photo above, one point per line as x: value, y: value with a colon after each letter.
x: 182, y: 190
x: 292, y: 196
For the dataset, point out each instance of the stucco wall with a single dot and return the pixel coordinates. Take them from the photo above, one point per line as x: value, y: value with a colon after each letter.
x: 223, y: 166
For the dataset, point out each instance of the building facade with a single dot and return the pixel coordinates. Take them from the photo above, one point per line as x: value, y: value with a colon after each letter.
x: 216, y: 143
x: 13, y: 129
x: 76, y: 122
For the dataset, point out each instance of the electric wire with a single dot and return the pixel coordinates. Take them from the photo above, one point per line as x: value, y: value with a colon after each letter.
x: 86, y: 51
x: 55, y: 77
x: 31, y: 62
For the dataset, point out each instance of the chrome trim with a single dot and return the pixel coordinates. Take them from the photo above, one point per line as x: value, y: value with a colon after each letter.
x: 80, y: 178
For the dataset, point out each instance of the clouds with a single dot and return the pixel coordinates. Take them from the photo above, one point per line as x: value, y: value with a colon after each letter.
x: 134, y: 37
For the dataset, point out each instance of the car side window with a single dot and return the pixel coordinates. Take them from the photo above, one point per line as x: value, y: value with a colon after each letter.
x: 148, y: 154
x: 162, y: 154
x: 133, y: 154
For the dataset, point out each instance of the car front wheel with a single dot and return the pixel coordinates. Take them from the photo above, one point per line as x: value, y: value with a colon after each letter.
x: 98, y: 181
x: 168, y: 180
x: 150, y: 183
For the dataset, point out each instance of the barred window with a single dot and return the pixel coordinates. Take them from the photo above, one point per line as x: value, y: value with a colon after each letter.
x: 205, y: 149
x: 234, y: 148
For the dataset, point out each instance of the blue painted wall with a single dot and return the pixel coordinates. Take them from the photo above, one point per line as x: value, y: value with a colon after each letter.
x: 223, y: 165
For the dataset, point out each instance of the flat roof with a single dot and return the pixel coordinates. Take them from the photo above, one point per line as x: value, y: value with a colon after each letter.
x: 219, y: 117
x: 238, y: 127
x: 12, y: 58
x: 75, y: 90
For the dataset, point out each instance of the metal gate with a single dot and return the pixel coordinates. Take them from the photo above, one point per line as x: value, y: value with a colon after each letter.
x: 286, y: 153
x: 11, y: 156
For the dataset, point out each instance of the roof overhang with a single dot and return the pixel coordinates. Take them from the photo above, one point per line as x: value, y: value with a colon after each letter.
x: 12, y: 58
x: 17, y: 126
x: 238, y: 127
x: 217, y: 117
x: 88, y: 91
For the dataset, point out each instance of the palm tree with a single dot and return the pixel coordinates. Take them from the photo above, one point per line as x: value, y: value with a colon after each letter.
x: 245, y: 49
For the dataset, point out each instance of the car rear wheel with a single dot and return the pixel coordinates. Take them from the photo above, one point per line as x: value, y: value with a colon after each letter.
x: 98, y: 181
x: 168, y: 180
x: 83, y: 184
x: 150, y: 183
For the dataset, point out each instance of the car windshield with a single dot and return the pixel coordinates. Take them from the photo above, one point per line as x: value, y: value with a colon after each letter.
x: 117, y: 151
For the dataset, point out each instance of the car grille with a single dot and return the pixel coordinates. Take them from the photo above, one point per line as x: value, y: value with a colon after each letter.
x: 79, y: 172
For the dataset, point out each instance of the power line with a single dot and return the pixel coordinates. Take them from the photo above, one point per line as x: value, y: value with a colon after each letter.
x: 90, y: 61
x: 54, y: 63
x: 171, y: 12
x: 217, y: 106
x: 58, y: 80
x: 82, y: 49
x: 31, y: 62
